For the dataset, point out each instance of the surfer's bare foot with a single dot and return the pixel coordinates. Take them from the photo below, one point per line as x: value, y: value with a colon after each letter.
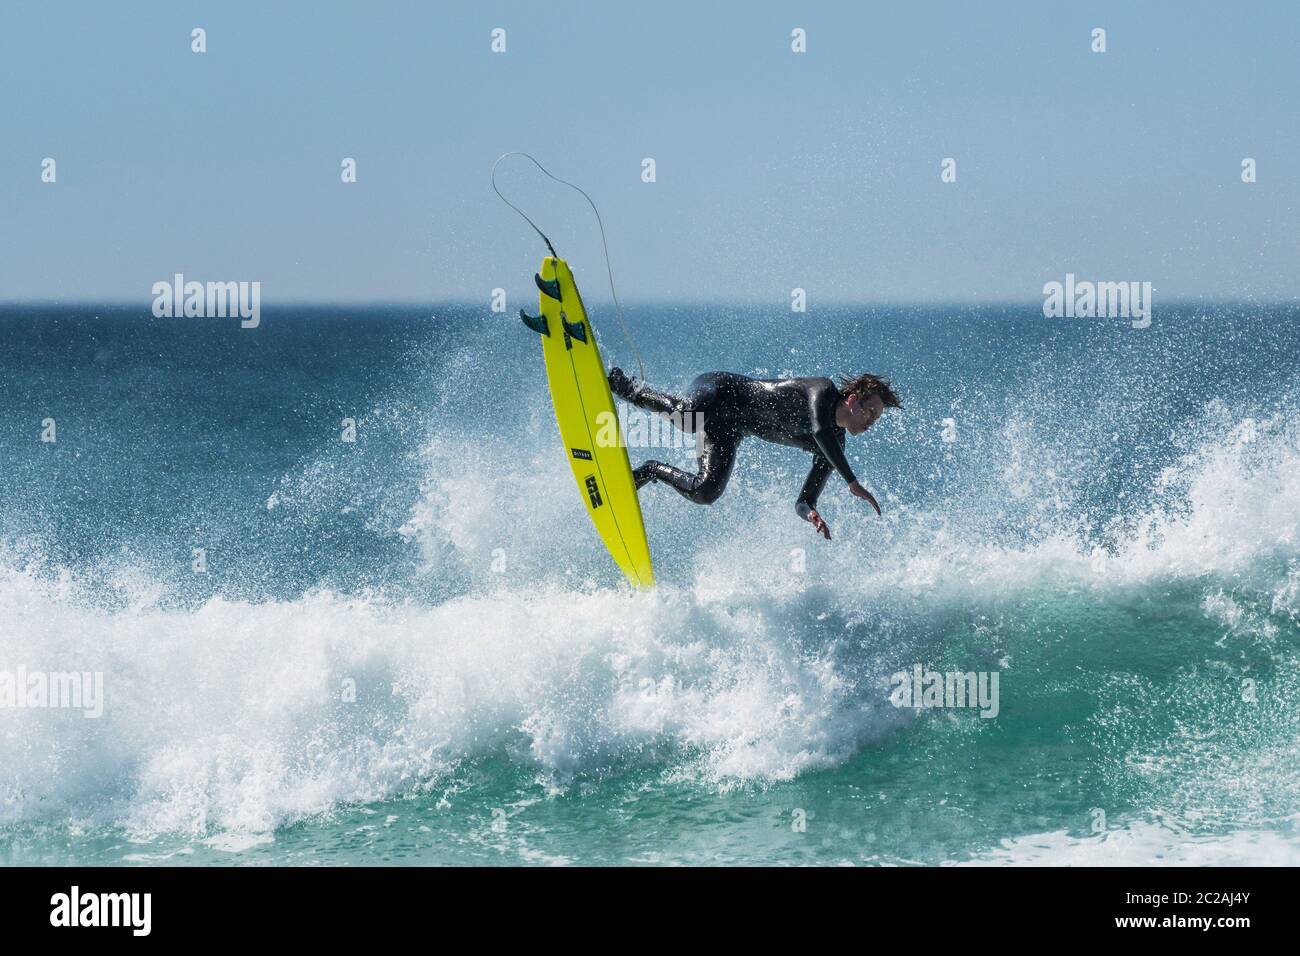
x: 819, y: 524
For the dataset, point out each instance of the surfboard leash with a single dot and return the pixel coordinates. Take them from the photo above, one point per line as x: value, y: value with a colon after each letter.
x: 622, y: 321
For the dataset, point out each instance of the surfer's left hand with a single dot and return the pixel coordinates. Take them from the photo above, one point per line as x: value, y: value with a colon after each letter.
x: 858, y: 491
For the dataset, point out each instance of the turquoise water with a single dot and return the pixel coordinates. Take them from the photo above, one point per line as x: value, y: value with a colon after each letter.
x: 409, y: 648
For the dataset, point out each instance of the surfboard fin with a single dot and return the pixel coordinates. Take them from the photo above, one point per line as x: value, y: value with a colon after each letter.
x: 578, y: 331
x: 548, y: 286
x: 535, y: 322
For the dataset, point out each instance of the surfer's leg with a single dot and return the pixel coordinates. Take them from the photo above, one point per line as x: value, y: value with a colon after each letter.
x: 639, y: 393
x: 716, y: 453
x: 687, y: 413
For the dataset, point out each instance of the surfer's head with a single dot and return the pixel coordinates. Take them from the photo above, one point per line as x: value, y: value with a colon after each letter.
x: 863, y: 398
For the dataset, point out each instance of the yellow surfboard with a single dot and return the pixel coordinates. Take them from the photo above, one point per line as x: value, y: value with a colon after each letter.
x: 589, y: 426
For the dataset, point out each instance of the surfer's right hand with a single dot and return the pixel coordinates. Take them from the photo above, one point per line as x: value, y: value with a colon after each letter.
x: 818, y: 524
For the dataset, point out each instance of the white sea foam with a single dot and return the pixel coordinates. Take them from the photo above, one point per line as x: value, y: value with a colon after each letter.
x: 1146, y: 844
x: 235, y: 716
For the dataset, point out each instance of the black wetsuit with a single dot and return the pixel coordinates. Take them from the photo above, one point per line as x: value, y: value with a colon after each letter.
x: 799, y: 412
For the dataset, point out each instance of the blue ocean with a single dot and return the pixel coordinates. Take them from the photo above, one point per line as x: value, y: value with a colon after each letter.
x: 411, y: 648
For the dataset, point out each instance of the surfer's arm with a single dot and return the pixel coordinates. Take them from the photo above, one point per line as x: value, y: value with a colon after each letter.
x: 812, y: 487
x: 828, y: 442
x: 806, y: 506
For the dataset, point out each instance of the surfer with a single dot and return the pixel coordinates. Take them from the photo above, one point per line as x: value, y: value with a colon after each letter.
x: 724, y: 407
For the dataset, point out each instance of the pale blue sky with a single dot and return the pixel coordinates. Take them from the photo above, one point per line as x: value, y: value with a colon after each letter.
x: 775, y: 170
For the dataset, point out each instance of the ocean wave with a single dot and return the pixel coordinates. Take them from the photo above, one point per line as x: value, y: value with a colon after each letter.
x: 765, y: 658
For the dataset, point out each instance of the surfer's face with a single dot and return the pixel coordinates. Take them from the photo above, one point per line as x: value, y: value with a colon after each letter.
x: 862, y: 414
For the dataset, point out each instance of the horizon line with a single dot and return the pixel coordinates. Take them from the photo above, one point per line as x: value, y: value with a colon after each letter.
x: 475, y: 304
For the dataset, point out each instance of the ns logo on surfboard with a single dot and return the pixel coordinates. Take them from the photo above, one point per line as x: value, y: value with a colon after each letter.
x: 593, y: 491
